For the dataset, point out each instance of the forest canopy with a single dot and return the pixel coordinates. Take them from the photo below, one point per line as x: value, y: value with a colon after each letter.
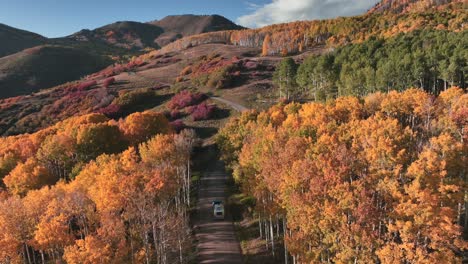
x: 431, y: 60
x: 94, y: 190
x: 379, y: 179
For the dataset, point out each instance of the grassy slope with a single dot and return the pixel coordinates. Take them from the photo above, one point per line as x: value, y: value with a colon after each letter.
x: 127, y: 35
x: 47, y: 66
x: 251, y: 88
x: 13, y: 40
x: 84, y: 52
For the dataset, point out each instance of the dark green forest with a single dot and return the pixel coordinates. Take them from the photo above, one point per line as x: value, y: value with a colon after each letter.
x: 431, y: 60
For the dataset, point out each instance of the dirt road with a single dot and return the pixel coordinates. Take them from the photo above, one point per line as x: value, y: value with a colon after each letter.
x: 236, y: 106
x: 217, y: 241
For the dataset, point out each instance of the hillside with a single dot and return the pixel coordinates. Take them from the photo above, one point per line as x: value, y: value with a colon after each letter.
x: 142, y: 86
x: 138, y: 36
x: 410, y: 6
x: 176, y: 27
x: 22, y: 73
x: 13, y: 40
x: 127, y: 34
x: 297, y: 37
x: 233, y: 64
x: 242, y: 75
x: 45, y: 66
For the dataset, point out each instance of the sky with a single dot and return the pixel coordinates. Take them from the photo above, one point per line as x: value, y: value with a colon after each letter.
x: 58, y: 18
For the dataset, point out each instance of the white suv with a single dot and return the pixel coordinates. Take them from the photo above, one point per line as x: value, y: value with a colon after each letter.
x: 218, y: 210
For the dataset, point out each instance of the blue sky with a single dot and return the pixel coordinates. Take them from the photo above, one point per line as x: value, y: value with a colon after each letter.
x: 56, y: 18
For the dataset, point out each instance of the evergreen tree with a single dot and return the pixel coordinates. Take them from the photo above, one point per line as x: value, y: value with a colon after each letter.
x: 285, y: 77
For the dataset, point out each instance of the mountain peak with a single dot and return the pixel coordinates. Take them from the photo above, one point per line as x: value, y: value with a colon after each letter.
x: 154, y: 34
x: 177, y: 26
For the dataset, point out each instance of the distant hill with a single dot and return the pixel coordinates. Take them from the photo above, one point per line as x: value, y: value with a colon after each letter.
x: 405, y: 6
x: 49, y: 62
x: 45, y: 66
x: 137, y: 36
x: 13, y: 40
x: 176, y: 27
x: 126, y: 34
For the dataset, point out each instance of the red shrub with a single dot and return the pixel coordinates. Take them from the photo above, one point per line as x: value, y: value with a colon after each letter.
x: 202, y: 111
x: 76, y: 95
x: 209, y: 65
x: 67, y: 88
x: 174, y: 114
x: 255, y: 74
x: 190, y: 109
x: 118, y: 69
x: 86, y: 85
x: 135, y: 63
x: 185, y: 98
x: 12, y: 100
x: 157, y: 56
x: 169, y: 60
x: 107, y: 82
x: 250, y: 65
x: 186, y: 71
x: 112, y: 70
x: 178, y: 125
x: 110, y: 110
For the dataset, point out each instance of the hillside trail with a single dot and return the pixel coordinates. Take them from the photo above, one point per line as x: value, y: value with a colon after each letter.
x: 235, y: 106
x: 217, y: 241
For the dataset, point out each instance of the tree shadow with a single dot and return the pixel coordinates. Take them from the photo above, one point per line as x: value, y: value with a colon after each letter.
x: 144, y: 104
x: 205, y: 132
x: 220, y: 113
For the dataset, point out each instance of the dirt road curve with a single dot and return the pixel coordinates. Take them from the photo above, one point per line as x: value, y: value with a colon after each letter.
x: 217, y: 241
x: 236, y: 106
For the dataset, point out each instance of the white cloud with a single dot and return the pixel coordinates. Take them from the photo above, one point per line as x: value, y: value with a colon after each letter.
x: 252, y: 6
x: 280, y: 11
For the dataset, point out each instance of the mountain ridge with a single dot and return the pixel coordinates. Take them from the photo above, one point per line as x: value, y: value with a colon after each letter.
x: 119, y: 40
x: 14, y: 39
x: 45, y: 66
x: 178, y: 26
x: 122, y: 34
x: 408, y: 6
x: 127, y: 35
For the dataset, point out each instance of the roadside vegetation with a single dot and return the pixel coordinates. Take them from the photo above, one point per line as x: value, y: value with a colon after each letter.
x: 109, y: 192
x: 375, y: 179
